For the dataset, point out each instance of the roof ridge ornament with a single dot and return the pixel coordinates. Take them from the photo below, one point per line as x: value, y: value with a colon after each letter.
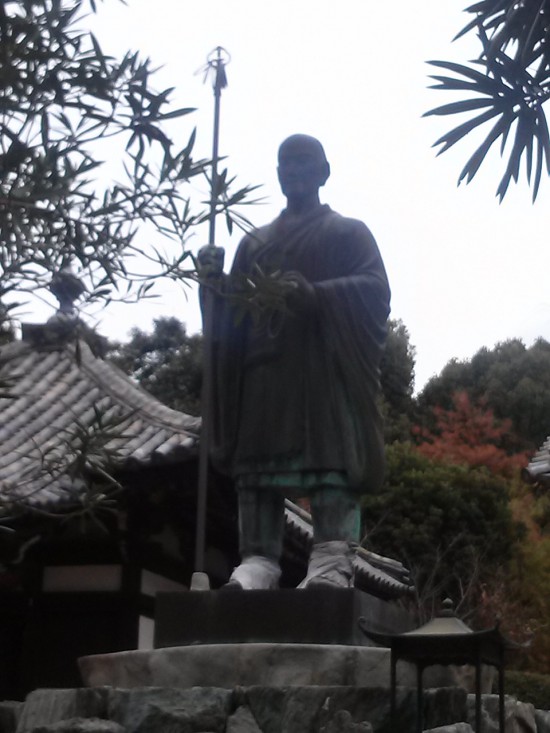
x: 65, y: 327
x: 67, y: 288
x: 447, y: 609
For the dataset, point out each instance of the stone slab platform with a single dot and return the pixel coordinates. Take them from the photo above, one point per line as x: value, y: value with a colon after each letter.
x: 269, y: 665
x: 233, y: 665
x: 286, y: 616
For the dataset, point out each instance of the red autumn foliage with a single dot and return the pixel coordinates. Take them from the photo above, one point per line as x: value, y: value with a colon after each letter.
x: 471, y: 435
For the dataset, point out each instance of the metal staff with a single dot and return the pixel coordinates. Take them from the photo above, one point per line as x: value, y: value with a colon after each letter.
x: 215, y: 67
x: 217, y: 64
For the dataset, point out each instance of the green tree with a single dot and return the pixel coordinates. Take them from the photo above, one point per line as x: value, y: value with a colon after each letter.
x: 519, y: 596
x: 167, y: 362
x: 67, y: 106
x: 507, y: 88
x: 450, y: 525
x: 511, y: 379
x: 397, y: 382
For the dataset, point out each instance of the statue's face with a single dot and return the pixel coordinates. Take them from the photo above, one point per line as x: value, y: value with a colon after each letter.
x: 302, y: 168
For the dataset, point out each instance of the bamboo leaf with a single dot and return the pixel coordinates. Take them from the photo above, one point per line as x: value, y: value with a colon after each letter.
x: 99, y: 53
x: 176, y: 113
x: 45, y: 129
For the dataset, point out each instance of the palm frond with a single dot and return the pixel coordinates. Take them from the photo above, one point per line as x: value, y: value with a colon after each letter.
x: 453, y: 136
x: 473, y: 164
x: 511, y: 87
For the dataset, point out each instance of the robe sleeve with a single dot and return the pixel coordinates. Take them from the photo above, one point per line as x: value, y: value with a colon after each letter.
x: 352, y: 313
x: 227, y: 356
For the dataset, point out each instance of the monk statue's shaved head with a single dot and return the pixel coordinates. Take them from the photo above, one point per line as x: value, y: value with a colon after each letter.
x: 303, y: 168
x: 305, y: 143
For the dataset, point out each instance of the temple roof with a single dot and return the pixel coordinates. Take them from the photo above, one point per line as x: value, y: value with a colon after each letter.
x: 56, y: 390
x: 537, y: 470
x: 55, y: 386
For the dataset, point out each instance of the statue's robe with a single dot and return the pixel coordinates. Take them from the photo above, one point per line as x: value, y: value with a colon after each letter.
x: 296, y: 394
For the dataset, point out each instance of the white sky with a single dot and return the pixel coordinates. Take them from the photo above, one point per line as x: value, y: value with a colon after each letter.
x: 465, y: 271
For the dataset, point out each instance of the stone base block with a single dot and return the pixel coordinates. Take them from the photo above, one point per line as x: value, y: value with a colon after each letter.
x: 270, y: 665
x: 288, y: 616
x: 231, y: 665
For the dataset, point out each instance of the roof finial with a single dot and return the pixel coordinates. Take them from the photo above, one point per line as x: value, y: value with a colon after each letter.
x: 67, y: 288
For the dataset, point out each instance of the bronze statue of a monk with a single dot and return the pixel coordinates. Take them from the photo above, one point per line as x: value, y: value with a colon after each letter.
x: 295, y: 395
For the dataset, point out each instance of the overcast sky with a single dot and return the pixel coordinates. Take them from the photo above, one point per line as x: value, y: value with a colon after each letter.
x: 465, y: 271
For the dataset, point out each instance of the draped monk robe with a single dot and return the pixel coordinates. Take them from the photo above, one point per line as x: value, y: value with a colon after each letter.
x: 295, y: 395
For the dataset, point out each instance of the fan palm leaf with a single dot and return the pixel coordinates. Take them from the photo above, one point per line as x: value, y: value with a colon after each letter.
x: 510, y: 81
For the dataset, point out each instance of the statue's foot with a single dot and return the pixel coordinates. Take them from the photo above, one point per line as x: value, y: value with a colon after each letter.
x: 330, y: 565
x: 255, y: 572
x: 333, y: 579
x: 231, y: 585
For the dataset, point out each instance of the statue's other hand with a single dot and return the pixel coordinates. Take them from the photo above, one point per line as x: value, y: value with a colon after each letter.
x: 210, y: 261
x: 301, y: 293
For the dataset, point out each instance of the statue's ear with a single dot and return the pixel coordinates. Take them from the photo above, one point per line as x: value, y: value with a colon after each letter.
x: 326, y: 173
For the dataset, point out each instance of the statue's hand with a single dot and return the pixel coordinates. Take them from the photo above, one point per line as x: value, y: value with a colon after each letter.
x: 301, y: 293
x: 210, y: 261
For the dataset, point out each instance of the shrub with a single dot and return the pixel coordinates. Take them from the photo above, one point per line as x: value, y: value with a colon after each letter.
x: 529, y: 687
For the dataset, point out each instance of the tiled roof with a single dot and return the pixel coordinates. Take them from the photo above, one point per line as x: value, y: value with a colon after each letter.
x: 538, y: 469
x: 57, y: 388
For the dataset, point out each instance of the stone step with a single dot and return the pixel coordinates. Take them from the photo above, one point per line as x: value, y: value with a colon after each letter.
x: 276, y: 665
x: 231, y: 665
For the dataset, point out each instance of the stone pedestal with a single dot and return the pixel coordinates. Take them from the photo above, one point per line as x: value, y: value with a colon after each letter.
x: 288, y: 616
x: 242, y: 665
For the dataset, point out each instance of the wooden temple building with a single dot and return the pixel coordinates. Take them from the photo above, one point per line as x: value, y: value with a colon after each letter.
x: 98, y: 486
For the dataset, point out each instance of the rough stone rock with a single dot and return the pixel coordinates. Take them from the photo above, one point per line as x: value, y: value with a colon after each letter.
x: 455, y: 728
x: 155, y: 719
x: 465, y: 676
x: 445, y: 706
x: 139, y: 710
x: 242, y: 721
x: 343, y: 723
x: 81, y: 725
x: 10, y: 711
x: 43, y: 707
x: 309, y: 709
x: 519, y: 716
x: 542, y: 719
